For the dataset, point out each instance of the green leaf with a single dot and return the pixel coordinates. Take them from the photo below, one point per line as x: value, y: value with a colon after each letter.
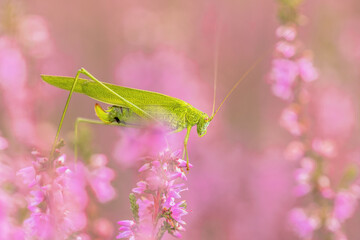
x: 134, y: 207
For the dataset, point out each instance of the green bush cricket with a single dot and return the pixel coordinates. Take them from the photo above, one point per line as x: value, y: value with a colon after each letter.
x: 134, y: 107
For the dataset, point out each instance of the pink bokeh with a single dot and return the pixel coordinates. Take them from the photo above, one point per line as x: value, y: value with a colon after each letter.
x: 285, y: 137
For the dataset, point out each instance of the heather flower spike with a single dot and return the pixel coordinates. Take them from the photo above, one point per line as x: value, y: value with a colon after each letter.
x: 155, y: 202
x: 56, y: 199
x: 324, y: 207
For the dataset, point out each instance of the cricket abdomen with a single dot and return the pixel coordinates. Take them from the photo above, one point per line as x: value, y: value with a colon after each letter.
x: 174, y: 119
x: 121, y: 115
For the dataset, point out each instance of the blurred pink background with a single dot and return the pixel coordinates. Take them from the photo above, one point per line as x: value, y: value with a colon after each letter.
x: 241, y: 186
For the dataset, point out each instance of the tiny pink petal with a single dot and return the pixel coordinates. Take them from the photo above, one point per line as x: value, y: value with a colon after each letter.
x: 28, y: 175
x: 124, y: 234
x: 294, y: 151
x: 286, y: 32
x: 307, y: 70
x: 345, y: 205
x: 126, y: 223
x: 285, y: 48
x: 303, y: 225
x: 98, y: 160
x: 144, y: 167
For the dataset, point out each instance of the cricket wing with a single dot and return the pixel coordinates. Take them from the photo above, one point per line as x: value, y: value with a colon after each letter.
x: 157, y: 105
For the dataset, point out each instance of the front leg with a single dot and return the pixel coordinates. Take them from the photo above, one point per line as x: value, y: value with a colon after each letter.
x: 185, y: 147
x: 64, y: 112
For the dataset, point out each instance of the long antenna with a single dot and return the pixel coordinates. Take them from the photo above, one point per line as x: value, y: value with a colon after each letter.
x: 236, y: 84
x: 216, y: 65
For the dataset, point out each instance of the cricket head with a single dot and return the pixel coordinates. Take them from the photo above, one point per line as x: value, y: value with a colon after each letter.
x: 203, y: 124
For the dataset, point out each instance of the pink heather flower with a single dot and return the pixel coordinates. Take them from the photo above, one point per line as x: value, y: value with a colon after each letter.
x: 283, y: 75
x: 284, y: 71
x: 303, y: 176
x: 28, y: 176
x: 324, y: 147
x: 308, y: 164
x: 286, y: 32
x: 146, y: 208
x: 333, y: 224
x: 98, y: 160
x: 290, y: 71
x: 325, y: 188
x: 302, y: 188
x: 39, y: 225
x: 307, y: 70
x: 302, y: 224
x: 56, y: 200
x: 100, y: 178
x: 282, y: 91
x: 290, y: 121
x: 126, y: 230
x: 286, y: 49
x: 156, y: 204
x: 345, y: 205
x: 294, y: 151
x: 36, y: 197
x: 141, y: 187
